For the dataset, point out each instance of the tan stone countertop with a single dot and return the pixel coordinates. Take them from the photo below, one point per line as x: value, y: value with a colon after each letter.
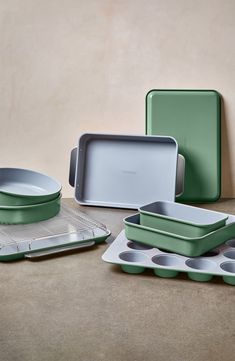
x: 77, y: 307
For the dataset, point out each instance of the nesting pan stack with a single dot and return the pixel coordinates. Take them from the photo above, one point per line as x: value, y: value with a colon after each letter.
x: 27, y: 196
x: 179, y: 228
x: 171, y: 238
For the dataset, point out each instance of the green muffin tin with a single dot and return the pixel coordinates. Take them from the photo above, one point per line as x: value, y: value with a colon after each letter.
x: 192, y: 117
x: 20, y: 187
x: 190, y: 247
x: 29, y: 214
x: 181, y: 219
x: 134, y: 257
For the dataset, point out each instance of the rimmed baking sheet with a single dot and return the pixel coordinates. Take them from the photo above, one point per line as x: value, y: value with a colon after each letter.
x: 124, y: 171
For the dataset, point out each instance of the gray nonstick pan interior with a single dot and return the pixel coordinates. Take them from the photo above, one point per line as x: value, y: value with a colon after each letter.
x: 27, y: 183
x: 125, y: 171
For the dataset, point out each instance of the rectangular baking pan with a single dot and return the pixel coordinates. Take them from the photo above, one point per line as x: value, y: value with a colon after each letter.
x: 125, y: 171
x: 190, y: 247
x: 192, y: 117
x: 179, y: 172
x: 134, y: 257
x: 181, y: 219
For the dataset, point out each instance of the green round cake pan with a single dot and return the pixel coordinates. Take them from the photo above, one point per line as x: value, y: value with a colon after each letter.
x: 29, y: 213
x: 20, y: 187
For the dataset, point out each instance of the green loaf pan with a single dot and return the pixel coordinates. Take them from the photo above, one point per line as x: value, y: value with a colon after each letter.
x: 181, y: 219
x: 20, y: 187
x: 29, y: 214
x: 190, y: 247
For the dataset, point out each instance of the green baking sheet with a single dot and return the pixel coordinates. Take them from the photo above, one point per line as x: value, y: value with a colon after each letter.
x: 192, y: 117
x: 68, y: 230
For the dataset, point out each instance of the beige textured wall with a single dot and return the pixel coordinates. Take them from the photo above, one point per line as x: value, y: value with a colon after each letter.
x: 72, y: 66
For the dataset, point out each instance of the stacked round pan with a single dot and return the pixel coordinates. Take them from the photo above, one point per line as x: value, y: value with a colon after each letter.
x: 27, y: 196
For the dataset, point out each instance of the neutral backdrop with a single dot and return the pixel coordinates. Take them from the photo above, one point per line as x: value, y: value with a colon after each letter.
x: 74, y: 66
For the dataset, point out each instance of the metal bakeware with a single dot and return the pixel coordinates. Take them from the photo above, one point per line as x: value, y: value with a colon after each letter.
x: 69, y: 230
x: 193, y: 118
x: 190, y: 247
x: 125, y: 171
x: 19, y: 187
x: 134, y: 257
x: 29, y: 214
x: 179, y: 172
x: 181, y: 219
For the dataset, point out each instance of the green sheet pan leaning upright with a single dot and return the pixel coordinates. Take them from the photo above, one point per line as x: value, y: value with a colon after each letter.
x: 192, y: 117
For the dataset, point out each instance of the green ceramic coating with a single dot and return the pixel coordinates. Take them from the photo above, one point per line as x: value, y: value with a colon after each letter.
x: 29, y: 214
x: 199, y: 277
x: 173, y: 226
x: 192, y: 117
x: 7, y: 199
x: 12, y: 257
x: 190, y: 247
x: 99, y: 240
x: 20, y: 255
x: 230, y: 280
x: 165, y: 273
x: 132, y: 269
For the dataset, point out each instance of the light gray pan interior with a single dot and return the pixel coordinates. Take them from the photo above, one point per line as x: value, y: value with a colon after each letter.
x: 179, y: 173
x: 184, y: 213
x: 125, y: 171
x: 26, y: 182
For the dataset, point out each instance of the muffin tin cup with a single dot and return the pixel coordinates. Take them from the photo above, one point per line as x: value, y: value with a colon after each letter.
x: 166, y: 260
x: 165, y: 273
x: 181, y: 219
x: 132, y: 269
x: 132, y: 257
x: 229, y: 280
x: 199, y: 277
x: 229, y: 266
x: 190, y: 247
x: 135, y: 258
